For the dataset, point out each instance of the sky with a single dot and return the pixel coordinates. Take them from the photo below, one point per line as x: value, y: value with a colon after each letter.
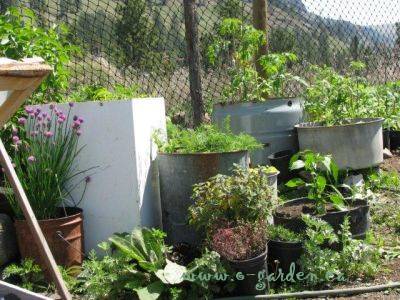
x: 363, y: 12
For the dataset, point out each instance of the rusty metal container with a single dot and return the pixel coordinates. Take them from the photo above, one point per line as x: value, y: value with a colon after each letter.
x: 64, y: 236
x: 178, y: 173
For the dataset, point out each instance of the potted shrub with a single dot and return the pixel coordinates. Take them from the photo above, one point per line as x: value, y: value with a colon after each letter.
x: 257, y: 106
x: 341, y: 113
x: 45, y: 149
x: 285, y: 248
x: 327, y: 197
x: 233, y: 212
x: 188, y: 157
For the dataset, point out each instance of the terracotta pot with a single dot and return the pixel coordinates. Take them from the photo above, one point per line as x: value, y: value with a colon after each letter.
x: 64, y: 236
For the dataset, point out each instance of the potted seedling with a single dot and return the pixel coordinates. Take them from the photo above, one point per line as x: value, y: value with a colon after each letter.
x: 232, y: 212
x: 257, y: 105
x: 326, y: 198
x: 45, y: 149
x: 285, y: 248
x: 188, y: 157
x: 342, y: 119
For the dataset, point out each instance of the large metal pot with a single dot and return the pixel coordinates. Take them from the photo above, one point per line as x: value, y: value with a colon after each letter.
x: 271, y: 123
x: 178, y: 174
x: 357, y: 145
x: 64, y: 236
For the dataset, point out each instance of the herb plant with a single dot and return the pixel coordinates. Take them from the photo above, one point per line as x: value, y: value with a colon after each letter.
x: 101, y: 93
x: 356, y: 259
x: 204, y: 139
x: 44, y: 152
x: 245, y: 196
x: 240, y: 43
x: 244, y: 241
x: 323, y: 179
x: 280, y: 233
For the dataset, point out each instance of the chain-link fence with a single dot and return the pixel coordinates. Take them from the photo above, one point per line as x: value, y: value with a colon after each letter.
x: 143, y: 41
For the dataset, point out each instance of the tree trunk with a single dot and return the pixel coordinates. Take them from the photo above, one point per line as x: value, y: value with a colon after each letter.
x: 260, y: 23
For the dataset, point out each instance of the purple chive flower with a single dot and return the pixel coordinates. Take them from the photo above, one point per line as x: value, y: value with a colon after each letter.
x: 48, y: 119
x: 48, y: 134
x: 21, y: 121
x: 60, y: 120
x: 78, y: 132
x: 39, y: 118
x: 15, y: 139
x: 31, y: 159
x: 71, y: 104
x: 31, y: 115
x: 19, y: 143
x: 88, y: 179
x: 80, y: 120
x: 34, y: 133
x: 38, y: 110
x: 28, y: 109
x: 52, y: 106
x: 76, y: 124
x: 14, y: 131
x: 44, y: 115
x: 36, y: 113
x: 75, y: 118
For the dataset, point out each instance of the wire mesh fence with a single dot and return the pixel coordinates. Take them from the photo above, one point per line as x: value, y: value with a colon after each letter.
x: 142, y: 42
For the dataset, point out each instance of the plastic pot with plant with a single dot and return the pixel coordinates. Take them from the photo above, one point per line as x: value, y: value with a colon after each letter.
x: 285, y: 248
x: 344, y: 119
x: 45, y: 149
x: 191, y: 156
x: 256, y: 104
x: 327, y: 197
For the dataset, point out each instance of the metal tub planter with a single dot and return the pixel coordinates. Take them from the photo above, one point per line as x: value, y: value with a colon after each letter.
x: 178, y: 173
x: 356, y: 145
x: 271, y: 122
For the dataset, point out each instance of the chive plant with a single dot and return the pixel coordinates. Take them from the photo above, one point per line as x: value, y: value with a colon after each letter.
x: 44, y: 152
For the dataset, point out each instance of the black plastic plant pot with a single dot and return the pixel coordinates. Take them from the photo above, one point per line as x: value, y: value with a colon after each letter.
x: 250, y: 275
x: 386, y: 139
x: 281, y: 160
x: 394, y: 138
x: 358, y: 216
x: 281, y: 255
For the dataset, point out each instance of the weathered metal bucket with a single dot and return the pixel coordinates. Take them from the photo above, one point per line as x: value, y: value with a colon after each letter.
x: 178, y: 173
x: 271, y: 123
x: 357, y: 145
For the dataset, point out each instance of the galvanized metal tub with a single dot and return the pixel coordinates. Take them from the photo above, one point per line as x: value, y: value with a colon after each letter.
x: 271, y: 123
x: 357, y: 145
x: 178, y: 173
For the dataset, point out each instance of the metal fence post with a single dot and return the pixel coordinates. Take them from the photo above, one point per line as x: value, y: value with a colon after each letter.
x: 193, y: 57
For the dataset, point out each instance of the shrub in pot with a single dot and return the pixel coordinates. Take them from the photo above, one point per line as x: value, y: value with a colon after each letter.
x: 233, y: 211
x: 327, y: 197
x: 45, y: 150
x: 344, y: 119
x: 256, y: 104
x: 188, y: 157
x: 285, y: 248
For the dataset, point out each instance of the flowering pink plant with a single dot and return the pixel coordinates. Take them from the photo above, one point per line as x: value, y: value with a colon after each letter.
x: 44, y: 155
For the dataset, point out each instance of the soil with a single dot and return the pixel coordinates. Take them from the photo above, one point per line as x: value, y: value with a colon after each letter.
x: 393, y: 163
x: 296, y: 210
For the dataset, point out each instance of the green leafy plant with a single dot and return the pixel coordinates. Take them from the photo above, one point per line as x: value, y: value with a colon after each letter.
x: 44, y: 155
x: 136, y: 265
x: 101, y: 93
x: 204, y: 139
x: 383, y: 180
x: 240, y: 43
x: 245, y: 196
x: 356, y: 259
x: 280, y: 233
x: 335, y: 99
x: 323, y: 181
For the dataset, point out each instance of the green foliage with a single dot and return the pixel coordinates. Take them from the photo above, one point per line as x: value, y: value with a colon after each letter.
x: 240, y: 43
x: 356, y: 259
x: 383, y: 180
x: 280, y: 233
x: 245, y: 196
x: 101, y: 93
x: 28, y: 275
x: 136, y: 265
x: 20, y: 38
x: 137, y: 35
x: 333, y: 99
x: 282, y: 40
x: 323, y: 179
x: 388, y: 106
x: 204, y: 139
x: 44, y: 154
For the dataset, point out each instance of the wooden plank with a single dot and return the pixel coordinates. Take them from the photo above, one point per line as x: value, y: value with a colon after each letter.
x: 33, y: 223
x: 9, y: 289
x: 193, y: 56
x: 17, y: 83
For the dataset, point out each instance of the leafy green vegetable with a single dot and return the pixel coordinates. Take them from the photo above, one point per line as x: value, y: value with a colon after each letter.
x: 204, y: 139
x: 280, y: 233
